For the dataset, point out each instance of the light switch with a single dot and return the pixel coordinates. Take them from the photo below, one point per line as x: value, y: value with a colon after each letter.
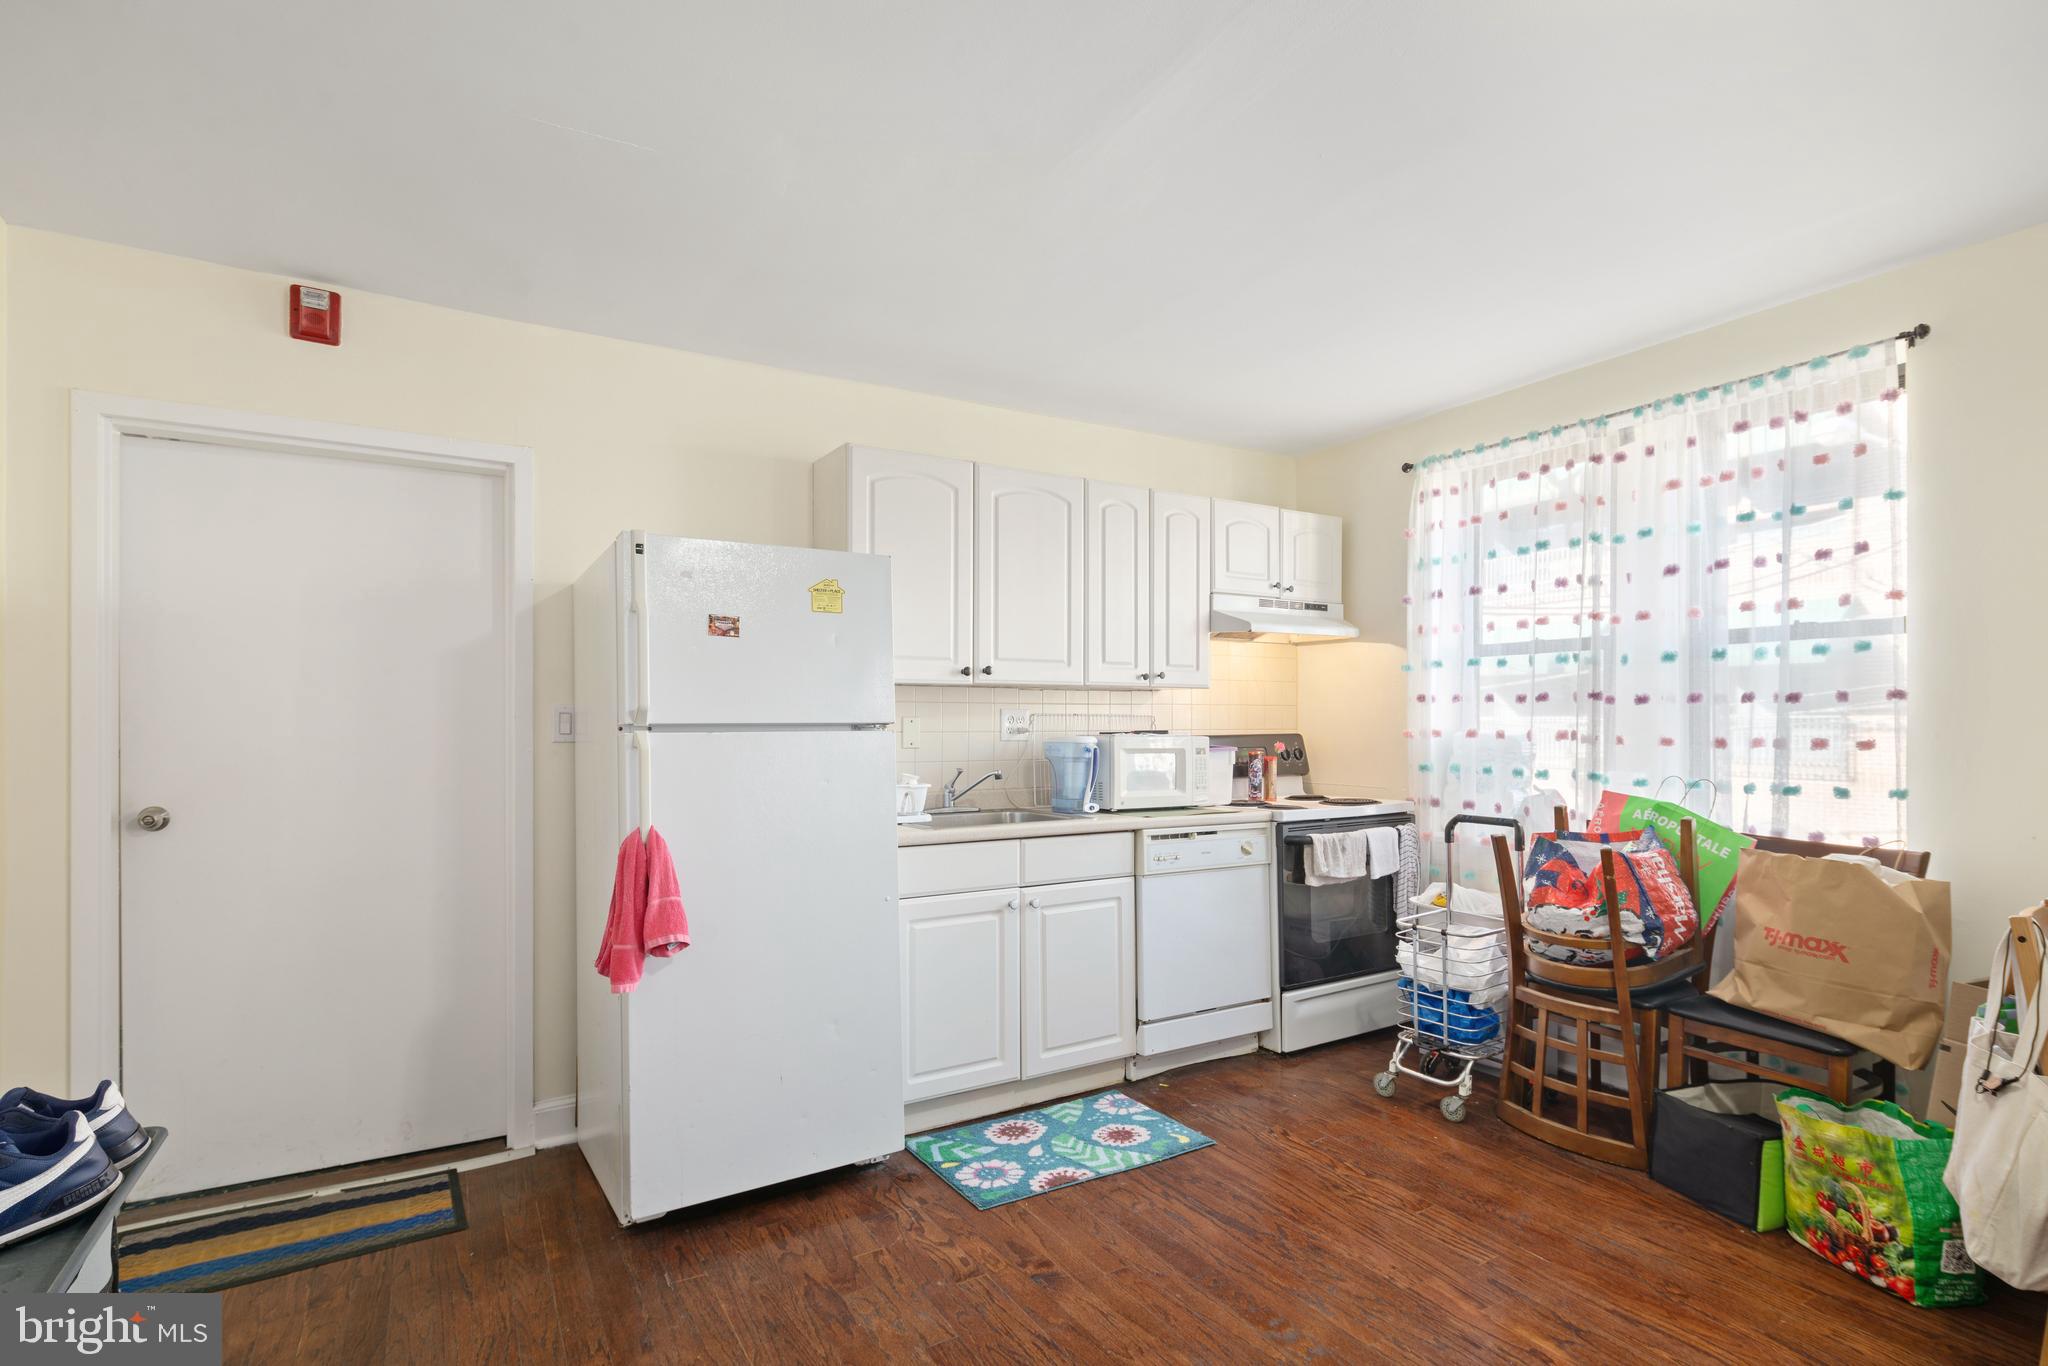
x: 565, y: 725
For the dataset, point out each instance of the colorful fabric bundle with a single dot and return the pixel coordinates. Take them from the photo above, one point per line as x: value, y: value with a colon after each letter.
x: 1563, y: 895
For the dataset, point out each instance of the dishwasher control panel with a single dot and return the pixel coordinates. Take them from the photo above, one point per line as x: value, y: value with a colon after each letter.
x: 1185, y: 851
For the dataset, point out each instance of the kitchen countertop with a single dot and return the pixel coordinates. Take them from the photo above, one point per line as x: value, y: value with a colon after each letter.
x: 1106, y: 822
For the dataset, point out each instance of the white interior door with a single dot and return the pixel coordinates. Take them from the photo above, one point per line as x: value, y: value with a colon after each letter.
x: 1247, y: 547
x: 312, y: 683
x: 1119, y: 611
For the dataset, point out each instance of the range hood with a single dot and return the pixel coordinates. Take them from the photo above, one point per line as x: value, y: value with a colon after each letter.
x: 1247, y: 616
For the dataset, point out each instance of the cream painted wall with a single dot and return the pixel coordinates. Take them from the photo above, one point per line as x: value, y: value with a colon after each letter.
x: 1978, y: 490
x: 1347, y: 690
x: 623, y: 434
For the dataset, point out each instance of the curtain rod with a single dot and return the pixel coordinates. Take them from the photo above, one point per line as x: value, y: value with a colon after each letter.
x: 1912, y: 337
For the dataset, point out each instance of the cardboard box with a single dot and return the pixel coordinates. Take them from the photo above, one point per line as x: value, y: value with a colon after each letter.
x: 1945, y: 1092
x: 1963, y: 1000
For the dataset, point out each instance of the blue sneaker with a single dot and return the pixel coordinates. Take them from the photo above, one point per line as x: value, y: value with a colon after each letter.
x: 50, y: 1172
x: 121, y: 1138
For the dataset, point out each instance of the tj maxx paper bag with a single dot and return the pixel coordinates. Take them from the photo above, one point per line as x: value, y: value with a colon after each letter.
x: 1831, y: 945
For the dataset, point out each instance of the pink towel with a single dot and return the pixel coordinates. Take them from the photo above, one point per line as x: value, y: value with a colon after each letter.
x: 646, y: 913
x: 619, y: 953
x: 664, y: 928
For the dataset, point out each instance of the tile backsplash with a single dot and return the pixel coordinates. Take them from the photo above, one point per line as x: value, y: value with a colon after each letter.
x: 1252, y: 687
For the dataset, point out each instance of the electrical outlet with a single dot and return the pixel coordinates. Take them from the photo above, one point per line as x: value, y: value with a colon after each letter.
x: 1016, y: 725
x: 909, y: 733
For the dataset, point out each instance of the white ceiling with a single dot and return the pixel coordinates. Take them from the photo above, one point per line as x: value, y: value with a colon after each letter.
x: 1272, y: 223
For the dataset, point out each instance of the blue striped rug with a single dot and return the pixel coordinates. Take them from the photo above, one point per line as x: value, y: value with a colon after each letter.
x: 234, y: 1247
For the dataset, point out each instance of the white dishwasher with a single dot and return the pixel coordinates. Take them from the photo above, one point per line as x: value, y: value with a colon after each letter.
x: 1205, y: 936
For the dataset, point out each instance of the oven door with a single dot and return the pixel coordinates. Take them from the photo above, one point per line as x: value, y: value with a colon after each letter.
x: 1334, y: 932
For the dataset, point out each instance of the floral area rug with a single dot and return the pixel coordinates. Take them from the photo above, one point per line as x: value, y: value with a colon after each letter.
x: 995, y: 1161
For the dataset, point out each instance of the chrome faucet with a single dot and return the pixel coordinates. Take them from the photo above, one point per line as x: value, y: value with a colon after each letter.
x: 952, y: 797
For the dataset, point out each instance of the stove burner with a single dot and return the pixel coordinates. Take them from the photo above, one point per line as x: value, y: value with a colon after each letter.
x: 1344, y: 801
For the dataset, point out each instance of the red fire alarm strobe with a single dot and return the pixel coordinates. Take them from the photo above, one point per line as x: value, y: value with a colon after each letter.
x: 316, y: 315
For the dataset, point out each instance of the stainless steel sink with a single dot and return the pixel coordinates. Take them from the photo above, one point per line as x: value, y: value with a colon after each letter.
x: 958, y: 818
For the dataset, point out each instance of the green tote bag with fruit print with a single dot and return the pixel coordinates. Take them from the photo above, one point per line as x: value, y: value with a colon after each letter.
x: 1864, y: 1189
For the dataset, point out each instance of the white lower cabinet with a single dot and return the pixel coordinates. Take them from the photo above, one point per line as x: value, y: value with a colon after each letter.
x: 1014, y: 983
x: 1080, y: 975
x: 961, y: 1027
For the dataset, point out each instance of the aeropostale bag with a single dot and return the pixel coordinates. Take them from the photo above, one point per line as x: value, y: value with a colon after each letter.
x: 1715, y: 846
x: 1831, y: 944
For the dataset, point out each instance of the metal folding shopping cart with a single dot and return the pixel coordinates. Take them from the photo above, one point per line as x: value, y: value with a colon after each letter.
x: 1453, y: 952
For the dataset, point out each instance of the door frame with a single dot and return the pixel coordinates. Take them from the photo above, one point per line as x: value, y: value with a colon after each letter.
x: 99, y: 422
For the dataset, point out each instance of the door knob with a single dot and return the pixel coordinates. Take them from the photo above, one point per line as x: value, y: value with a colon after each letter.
x: 153, y: 818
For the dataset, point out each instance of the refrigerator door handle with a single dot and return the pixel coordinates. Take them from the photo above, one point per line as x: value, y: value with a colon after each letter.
x: 643, y: 749
x: 643, y: 669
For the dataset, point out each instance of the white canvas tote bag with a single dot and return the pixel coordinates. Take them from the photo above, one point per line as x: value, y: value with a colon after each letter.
x: 1996, y: 1170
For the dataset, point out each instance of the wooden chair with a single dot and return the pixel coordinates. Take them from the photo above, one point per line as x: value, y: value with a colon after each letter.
x: 1692, y: 960
x: 1609, y: 1008
x: 1704, y: 1030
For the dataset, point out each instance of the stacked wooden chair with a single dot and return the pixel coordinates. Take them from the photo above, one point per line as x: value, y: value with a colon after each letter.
x: 1614, y: 1013
x: 1621, y: 1017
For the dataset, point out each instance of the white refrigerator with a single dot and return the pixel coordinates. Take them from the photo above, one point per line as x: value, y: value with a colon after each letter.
x: 739, y: 697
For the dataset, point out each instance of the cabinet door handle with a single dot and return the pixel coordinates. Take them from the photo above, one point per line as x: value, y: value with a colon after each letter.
x: 1033, y: 903
x: 988, y: 668
x: 1276, y: 583
x: 1288, y: 589
x: 1013, y: 903
x: 966, y: 671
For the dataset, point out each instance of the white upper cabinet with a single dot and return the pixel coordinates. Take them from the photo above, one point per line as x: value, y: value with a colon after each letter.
x: 1080, y: 975
x: 1028, y: 578
x: 1119, y: 599
x: 1013, y: 579
x: 1180, y: 591
x: 1312, y: 556
x: 1247, y: 548
x: 919, y: 511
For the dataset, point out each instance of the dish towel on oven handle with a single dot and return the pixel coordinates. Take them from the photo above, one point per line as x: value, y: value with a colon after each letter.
x: 1346, y: 855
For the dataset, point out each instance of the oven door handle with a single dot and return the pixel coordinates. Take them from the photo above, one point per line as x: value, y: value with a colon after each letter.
x: 1303, y: 836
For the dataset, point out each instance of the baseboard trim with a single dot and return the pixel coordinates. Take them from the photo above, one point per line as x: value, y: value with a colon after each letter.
x: 554, y: 1122
x: 943, y: 1112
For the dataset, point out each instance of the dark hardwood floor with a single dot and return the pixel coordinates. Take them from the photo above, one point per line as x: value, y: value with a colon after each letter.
x: 1325, y: 1223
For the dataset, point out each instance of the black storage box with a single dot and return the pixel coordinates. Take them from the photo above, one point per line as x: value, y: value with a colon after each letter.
x: 1721, y: 1145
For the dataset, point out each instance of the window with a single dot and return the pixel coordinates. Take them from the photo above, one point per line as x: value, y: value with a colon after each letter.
x: 1710, y: 586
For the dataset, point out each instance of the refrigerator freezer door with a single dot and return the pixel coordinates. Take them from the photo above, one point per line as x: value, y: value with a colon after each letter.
x: 742, y: 634
x: 771, y: 1048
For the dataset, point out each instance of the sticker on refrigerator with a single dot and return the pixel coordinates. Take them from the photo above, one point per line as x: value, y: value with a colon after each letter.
x: 828, y: 596
x: 722, y: 626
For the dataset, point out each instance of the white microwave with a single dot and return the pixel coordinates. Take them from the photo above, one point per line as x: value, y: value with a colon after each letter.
x: 1144, y: 770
